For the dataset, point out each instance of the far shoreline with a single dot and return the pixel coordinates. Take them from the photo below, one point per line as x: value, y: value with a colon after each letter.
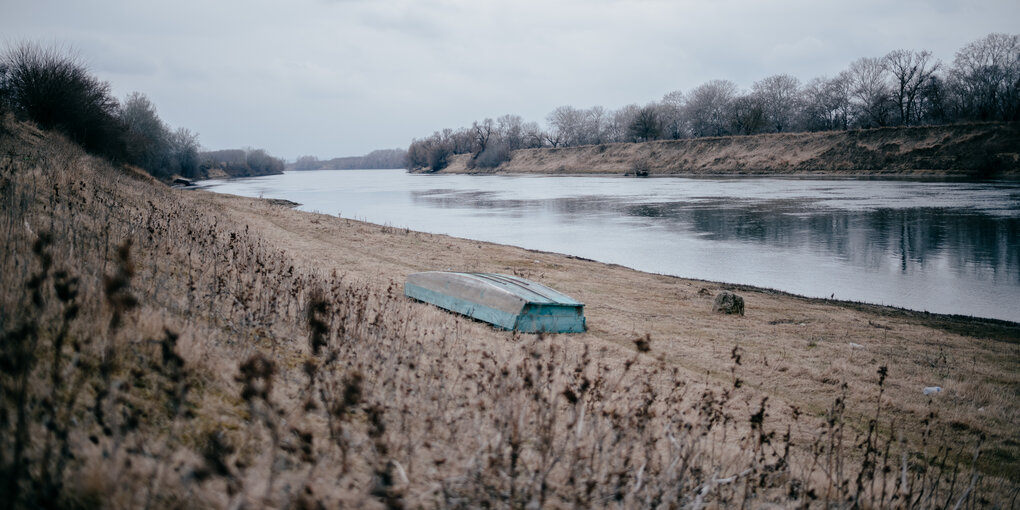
x: 976, y: 151
x: 920, y: 176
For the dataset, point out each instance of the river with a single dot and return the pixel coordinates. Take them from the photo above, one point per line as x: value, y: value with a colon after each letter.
x: 944, y: 247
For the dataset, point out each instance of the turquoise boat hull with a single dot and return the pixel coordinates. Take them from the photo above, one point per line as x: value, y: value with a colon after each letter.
x: 504, y: 301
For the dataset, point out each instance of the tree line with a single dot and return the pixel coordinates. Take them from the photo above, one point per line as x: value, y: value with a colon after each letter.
x: 382, y: 158
x: 239, y: 162
x: 56, y: 90
x: 902, y: 88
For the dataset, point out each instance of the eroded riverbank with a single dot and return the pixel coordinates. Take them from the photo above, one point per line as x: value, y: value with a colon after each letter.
x: 952, y: 151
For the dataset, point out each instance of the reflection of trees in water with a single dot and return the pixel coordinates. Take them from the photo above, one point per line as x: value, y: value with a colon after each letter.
x: 899, y: 239
x: 995, y: 243
x: 907, y: 239
x: 571, y: 207
x: 452, y: 199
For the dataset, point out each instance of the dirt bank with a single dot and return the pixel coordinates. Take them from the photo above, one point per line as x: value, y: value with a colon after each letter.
x: 973, y: 150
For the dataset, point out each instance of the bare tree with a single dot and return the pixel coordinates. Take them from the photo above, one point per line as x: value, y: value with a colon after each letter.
x: 183, y: 152
x: 594, y: 126
x: 461, y: 141
x: 259, y: 162
x: 825, y: 103
x: 871, y: 92
x: 986, y: 78
x: 674, y: 124
x: 510, y: 129
x: 552, y: 138
x: 934, y: 102
x: 645, y: 126
x: 910, y: 70
x: 708, y: 108
x: 483, y: 132
x: 433, y: 153
x: 532, y: 135
x: 816, y: 115
x: 150, y: 144
x: 747, y: 115
x: 55, y: 89
x: 566, y: 125
x: 620, y: 122
x: 146, y: 138
x: 839, y: 94
x: 417, y: 154
x: 496, y: 141
x: 778, y: 97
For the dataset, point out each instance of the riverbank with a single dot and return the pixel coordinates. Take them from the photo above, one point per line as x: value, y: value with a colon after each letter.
x: 797, y: 350
x: 177, y: 347
x: 802, y: 347
x: 953, y: 151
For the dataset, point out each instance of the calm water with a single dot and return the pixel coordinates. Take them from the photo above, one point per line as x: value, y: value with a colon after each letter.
x: 934, y: 246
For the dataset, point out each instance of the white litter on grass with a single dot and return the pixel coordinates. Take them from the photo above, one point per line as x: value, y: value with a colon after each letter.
x: 856, y: 346
x: 931, y: 389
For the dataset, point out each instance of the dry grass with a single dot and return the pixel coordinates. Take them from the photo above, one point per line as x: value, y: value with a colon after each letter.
x: 798, y: 350
x: 169, y: 349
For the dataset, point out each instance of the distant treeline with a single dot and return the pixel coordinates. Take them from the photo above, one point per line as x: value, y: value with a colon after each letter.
x: 239, y: 163
x: 383, y: 158
x: 55, y: 89
x: 903, y: 88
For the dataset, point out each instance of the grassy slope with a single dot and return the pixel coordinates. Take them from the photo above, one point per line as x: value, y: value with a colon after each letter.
x: 799, y: 348
x: 935, y: 151
x: 271, y: 358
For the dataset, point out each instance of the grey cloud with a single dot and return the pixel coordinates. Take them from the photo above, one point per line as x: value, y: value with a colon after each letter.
x: 343, y: 77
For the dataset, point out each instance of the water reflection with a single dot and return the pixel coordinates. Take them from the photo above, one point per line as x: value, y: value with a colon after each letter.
x: 942, y: 247
x: 914, y: 239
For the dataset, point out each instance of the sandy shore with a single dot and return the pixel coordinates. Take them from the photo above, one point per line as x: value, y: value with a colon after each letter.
x: 796, y: 350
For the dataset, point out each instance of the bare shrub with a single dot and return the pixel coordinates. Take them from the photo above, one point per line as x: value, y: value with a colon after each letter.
x: 495, y: 154
x: 641, y: 167
x: 55, y: 89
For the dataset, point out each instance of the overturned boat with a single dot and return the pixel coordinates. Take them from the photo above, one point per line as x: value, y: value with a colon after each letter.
x: 506, y: 301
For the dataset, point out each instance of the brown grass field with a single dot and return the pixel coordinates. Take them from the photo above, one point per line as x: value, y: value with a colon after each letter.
x: 170, y: 348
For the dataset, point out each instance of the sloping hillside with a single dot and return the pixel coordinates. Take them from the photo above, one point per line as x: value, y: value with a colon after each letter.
x: 973, y: 150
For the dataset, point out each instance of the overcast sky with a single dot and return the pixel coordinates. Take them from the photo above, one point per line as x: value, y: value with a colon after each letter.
x: 344, y: 77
